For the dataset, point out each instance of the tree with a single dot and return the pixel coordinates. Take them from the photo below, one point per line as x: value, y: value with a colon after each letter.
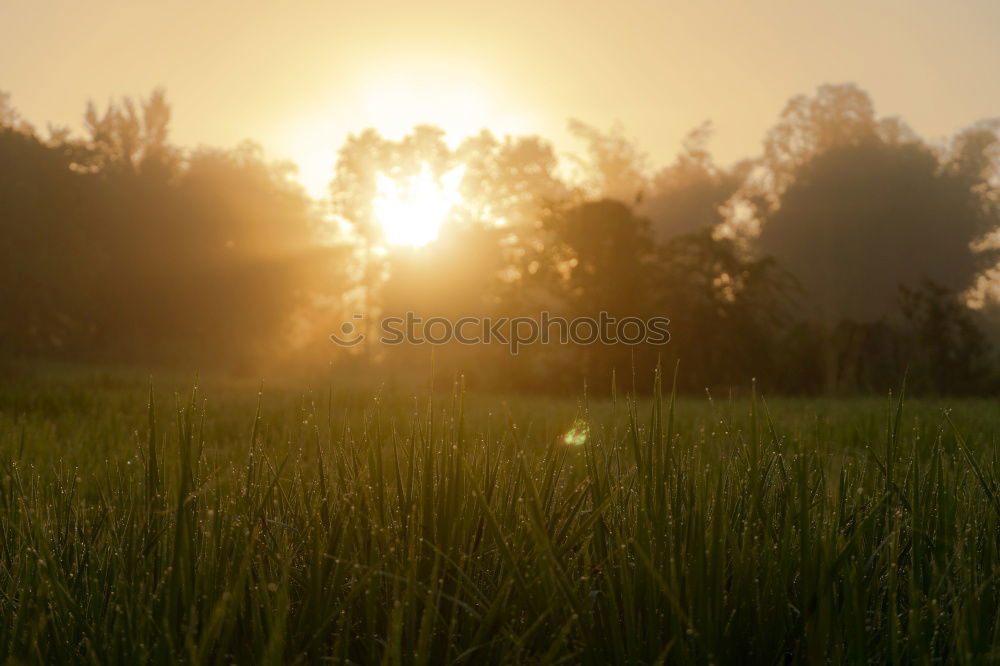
x: 119, y: 252
x: 613, y: 167
x: 860, y: 212
x: 730, y: 314
x: 948, y: 352
x: 690, y: 195
x: 129, y: 136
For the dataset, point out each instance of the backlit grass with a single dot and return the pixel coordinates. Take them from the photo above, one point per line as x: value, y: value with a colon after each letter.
x: 337, y: 526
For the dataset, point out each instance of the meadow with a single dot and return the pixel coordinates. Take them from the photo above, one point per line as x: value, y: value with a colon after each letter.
x: 165, y: 522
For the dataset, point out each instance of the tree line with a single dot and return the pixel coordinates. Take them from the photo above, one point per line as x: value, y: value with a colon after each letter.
x: 849, y: 253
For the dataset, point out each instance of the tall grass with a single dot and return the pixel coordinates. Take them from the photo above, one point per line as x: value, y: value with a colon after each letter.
x: 462, y: 529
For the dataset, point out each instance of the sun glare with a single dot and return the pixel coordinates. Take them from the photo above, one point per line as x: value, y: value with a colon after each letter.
x: 412, y: 210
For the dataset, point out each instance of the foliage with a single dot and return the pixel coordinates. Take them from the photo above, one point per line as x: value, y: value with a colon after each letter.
x: 123, y: 248
x: 119, y: 249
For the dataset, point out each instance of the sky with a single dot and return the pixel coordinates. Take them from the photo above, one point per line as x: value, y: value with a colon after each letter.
x: 298, y: 77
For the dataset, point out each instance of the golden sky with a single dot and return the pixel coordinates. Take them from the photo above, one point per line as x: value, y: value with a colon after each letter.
x: 299, y: 76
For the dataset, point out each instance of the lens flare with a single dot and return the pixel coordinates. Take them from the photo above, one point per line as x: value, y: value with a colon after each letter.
x: 578, y: 434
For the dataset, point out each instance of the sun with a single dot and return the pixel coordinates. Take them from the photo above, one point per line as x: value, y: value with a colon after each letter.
x: 412, y: 210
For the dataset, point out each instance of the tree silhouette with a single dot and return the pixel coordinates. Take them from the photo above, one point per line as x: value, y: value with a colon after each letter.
x: 690, y: 195
x: 864, y: 248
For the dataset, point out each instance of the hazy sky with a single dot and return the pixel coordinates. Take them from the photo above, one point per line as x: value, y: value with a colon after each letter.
x: 298, y: 76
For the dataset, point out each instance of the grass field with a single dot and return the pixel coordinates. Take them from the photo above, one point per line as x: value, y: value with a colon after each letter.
x: 346, y: 526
